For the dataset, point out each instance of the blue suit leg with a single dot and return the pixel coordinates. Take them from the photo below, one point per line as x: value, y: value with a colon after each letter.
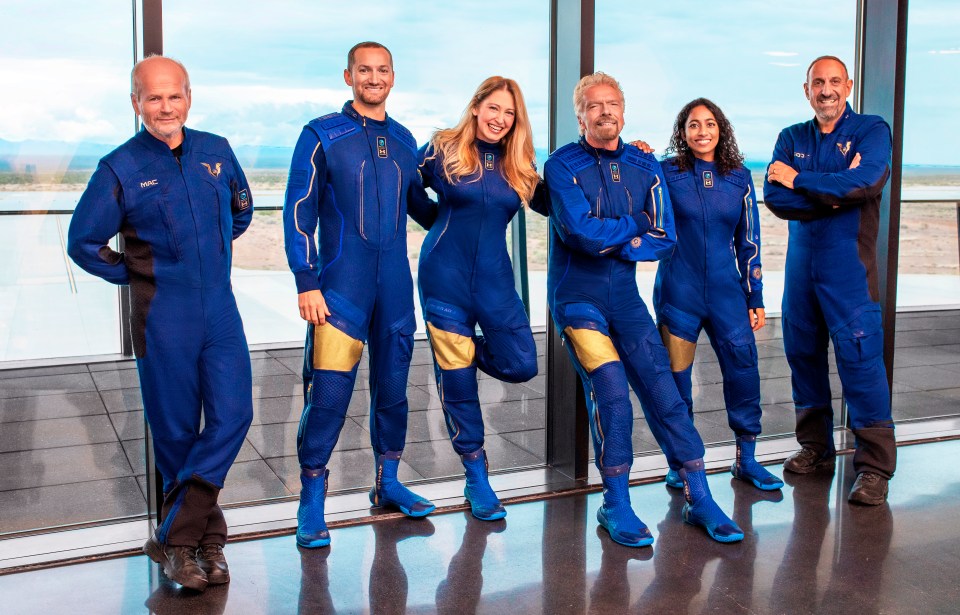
x: 451, y: 332
x: 737, y: 353
x: 858, y: 344
x: 679, y: 331
x: 330, y: 361
x: 218, y: 378
x: 169, y: 380
x: 586, y: 334
x: 587, y: 337
x: 647, y: 367
x: 805, y: 342
x: 391, y: 349
x: 226, y: 385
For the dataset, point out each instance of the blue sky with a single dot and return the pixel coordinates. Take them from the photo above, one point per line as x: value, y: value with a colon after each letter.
x: 258, y: 85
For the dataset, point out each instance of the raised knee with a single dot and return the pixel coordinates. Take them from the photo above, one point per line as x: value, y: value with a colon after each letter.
x: 525, y: 370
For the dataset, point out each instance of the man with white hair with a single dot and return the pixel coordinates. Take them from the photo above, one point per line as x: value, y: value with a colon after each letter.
x: 609, y: 208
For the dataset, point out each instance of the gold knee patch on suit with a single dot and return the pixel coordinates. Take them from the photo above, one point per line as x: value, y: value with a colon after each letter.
x: 452, y: 350
x: 592, y: 348
x: 334, y: 350
x: 681, y: 351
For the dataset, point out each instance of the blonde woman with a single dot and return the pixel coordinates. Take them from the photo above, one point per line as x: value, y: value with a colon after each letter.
x: 483, y: 172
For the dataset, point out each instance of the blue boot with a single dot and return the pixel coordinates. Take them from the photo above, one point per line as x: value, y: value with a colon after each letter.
x: 700, y: 508
x: 311, y: 529
x: 673, y: 479
x: 483, y: 501
x: 746, y: 467
x: 387, y: 491
x: 616, y: 515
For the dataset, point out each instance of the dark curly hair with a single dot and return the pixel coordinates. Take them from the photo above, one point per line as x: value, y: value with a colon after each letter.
x: 727, y: 156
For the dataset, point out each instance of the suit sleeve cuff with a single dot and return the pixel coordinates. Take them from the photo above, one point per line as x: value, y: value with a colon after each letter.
x: 643, y: 222
x: 306, y: 280
x: 755, y: 300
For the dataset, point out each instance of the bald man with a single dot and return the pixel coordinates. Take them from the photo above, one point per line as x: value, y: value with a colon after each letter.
x: 179, y: 198
x: 826, y: 178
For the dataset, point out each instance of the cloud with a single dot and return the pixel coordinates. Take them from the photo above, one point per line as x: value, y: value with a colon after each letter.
x: 64, y: 99
x: 944, y: 52
x: 781, y: 54
x: 787, y: 64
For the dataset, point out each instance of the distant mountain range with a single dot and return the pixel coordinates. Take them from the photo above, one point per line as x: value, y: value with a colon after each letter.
x: 49, y: 156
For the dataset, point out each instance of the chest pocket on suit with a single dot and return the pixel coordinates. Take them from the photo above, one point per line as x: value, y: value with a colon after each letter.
x: 162, y: 203
x: 214, y: 223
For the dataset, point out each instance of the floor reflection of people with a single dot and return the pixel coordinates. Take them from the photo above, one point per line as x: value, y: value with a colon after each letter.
x: 564, y: 554
x: 611, y: 590
x: 680, y: 558
x: 795, y: 584
x: 315, y: 595
x: 460, y: 591
x: 388, y: 579
x: 733, y: 583
x: 865, y: 534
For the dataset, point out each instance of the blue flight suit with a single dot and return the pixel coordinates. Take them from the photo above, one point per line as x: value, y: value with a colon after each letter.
x: 711, y: 280
x: 466, y: 279
x: 351, y: 176
x: 831, y: 289
x: 178, y: 212
x: 609, y: 209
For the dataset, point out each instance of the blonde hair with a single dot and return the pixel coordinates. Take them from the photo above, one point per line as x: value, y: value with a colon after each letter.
x: 587, y: 82
x: 459, y: 154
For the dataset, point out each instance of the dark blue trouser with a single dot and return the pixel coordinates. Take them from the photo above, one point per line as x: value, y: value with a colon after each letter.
x: 381, y: 315
x: 614, y: 343
x: 682, y: 312
x: 505, y: 350
x: 196, y: 361
x: 826, y: 298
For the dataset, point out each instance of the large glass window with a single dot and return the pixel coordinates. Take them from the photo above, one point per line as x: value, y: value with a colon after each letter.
x: 750, y: 59
x: 66, y: 72
x: 71, y: 106
x: 927, y: 360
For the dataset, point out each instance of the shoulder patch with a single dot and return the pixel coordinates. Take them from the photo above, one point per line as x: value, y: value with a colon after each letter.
x: 404, y: 135
x: 636, y: 158
x: 333, y: 126
x: 672, y: 172
x: 737, y: 177
x: 573, y: 157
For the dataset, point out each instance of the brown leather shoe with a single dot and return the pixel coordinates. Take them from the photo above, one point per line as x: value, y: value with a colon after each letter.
x: 179, y: 563
x: 211, y: 560
x: 807, y: 460
x: 870, y: 489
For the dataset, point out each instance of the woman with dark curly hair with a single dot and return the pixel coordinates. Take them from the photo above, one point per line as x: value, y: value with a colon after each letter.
x: 713, y: 281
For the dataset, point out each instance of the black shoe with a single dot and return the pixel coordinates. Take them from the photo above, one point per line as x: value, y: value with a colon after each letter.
x: 870, y: 489
x: 211, y: 560
x: 807, y: 460
x: 179, y: 564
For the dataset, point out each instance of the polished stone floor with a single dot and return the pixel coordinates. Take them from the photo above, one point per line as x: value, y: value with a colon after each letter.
x: 72, y: 448
x: 806, y: 551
